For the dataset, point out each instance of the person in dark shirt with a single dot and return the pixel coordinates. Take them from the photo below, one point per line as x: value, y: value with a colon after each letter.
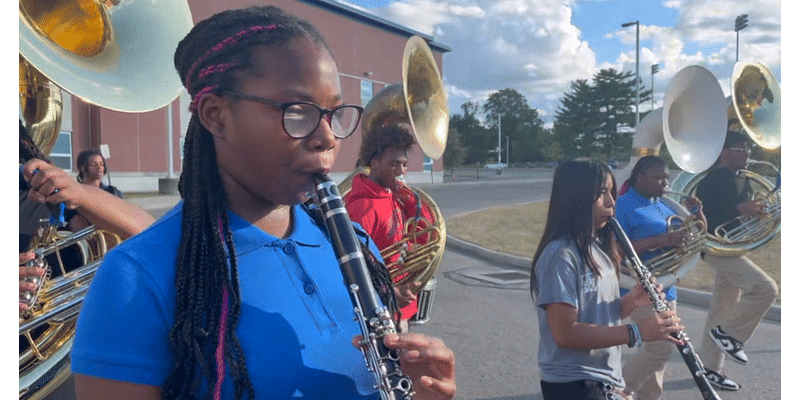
x: 742, y: 292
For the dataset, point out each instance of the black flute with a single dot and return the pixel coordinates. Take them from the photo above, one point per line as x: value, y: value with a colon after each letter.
x: 372, y: 316
x: 686, y: 350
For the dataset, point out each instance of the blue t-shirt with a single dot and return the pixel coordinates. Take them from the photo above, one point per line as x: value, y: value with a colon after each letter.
x: 296, y: 323
x: 641, y: 218
x: 562, y: 276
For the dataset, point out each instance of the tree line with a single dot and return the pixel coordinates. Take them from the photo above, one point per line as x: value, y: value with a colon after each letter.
x: 594, y: 119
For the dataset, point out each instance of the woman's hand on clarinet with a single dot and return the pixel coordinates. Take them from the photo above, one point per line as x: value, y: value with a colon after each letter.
x: 661, y: 326
x: 641, y: 297
x: 429, y: 363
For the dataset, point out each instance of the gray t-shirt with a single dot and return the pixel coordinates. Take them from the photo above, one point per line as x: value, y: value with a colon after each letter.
x: 563, y: 277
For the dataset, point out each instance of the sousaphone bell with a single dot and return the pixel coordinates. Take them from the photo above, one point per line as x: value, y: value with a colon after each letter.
x: 755, y: 109
x: 116, y: 54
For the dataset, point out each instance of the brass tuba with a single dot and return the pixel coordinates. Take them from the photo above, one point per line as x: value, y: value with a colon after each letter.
x: 755, y: 109
x: 692, y: 125
x: 419, y: 100
x: 103, y: 51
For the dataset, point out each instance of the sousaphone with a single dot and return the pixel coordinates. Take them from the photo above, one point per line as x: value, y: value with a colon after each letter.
x: 692, y: 125
x: 420, y: 101
x: 755, y: 109
x: 116, y: 54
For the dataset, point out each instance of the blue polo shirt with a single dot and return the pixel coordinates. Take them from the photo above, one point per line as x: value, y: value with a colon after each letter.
x: 640, y: 218
x: 296, y: 323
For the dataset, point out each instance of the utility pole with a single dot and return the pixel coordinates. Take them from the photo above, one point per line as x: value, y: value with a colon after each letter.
x: 653, y: 70
x: 499, y: 141
x: 508, y: 157
x: 625, y: 25
x: 741, y: 23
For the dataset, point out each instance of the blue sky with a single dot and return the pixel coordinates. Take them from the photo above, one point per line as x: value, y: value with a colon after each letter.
x: 539, y: 46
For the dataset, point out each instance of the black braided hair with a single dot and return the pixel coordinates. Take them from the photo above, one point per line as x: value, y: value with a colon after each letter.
x: 213, y: 57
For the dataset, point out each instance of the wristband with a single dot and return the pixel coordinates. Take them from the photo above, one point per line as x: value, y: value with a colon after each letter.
x: 635, y: 336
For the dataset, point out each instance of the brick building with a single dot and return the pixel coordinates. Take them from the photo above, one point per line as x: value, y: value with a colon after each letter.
x: 368, y: 51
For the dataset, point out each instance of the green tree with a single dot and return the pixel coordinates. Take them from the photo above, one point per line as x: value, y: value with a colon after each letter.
x: 508, y: 111
x: 576, y: 122
x: 616, y: 97
x: 472, y: 134
x: 455, y: 152
x: 598, y: 119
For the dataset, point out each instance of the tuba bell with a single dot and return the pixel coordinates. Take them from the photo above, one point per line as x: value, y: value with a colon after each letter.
x: 100, y: 51
x: 754, y: 109
x: 420, y: 101
x: 692, y: 126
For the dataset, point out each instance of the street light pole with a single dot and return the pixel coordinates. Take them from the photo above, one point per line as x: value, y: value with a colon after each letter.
x: 739, y: 24
x: 499, y: 140
x: 653, y: 70
x: 625, y: 25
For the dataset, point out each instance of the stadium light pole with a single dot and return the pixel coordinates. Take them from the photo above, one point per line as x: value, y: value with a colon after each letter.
x: 739, y: 24
x: 653, y: 70
x: 625, y: 25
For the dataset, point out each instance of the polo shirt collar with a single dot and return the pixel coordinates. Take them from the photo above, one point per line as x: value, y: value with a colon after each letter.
x: 247, y: 237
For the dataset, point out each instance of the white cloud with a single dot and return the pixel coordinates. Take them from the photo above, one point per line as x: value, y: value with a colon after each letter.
x: 704, y: 35
x: 528, y: 45
x: 533, y: 46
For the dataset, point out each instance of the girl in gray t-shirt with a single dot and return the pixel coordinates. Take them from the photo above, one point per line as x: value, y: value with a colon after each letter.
x: 575, y: 285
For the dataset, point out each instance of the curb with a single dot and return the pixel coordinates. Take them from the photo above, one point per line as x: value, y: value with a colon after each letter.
x: 687, y: 296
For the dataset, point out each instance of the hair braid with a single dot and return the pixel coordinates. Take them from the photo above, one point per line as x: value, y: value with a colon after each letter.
x: 210, y: 59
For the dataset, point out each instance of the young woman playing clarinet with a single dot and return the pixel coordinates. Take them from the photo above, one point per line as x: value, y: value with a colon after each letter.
x: 574, y: 282
x: 237, y: 292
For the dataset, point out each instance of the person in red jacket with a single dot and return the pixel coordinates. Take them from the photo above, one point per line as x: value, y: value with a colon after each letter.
x: 382, y: 203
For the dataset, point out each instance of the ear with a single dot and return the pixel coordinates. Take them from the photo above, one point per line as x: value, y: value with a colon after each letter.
x: 212, y: 112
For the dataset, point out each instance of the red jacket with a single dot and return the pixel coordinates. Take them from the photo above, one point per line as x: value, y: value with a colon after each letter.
x: 382, y: 214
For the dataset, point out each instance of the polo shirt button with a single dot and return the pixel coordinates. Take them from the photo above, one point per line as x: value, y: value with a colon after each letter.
x: 308, y: 288
x: 288, y: 248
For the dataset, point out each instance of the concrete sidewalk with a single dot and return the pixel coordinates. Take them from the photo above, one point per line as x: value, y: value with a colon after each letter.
x: 686, y: 296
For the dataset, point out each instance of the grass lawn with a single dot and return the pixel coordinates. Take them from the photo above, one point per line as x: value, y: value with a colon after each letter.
x: 517, y: 230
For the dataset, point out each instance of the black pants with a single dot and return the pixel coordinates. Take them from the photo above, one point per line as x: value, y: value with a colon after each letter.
x: 578, y: 390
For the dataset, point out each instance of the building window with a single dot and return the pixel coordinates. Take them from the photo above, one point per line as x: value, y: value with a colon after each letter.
x: 366, y: 92
x: 61, y: 155
x: 427, y: 164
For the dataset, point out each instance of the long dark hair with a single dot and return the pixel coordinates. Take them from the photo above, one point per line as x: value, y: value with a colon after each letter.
x: 577, y: 184
x: 210, y: 59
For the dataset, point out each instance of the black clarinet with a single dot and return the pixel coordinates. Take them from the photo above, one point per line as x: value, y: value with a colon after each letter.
x: 686, y: 350
x: 372, y: 316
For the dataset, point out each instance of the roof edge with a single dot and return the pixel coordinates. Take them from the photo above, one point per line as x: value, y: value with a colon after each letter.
x: 372, y: 19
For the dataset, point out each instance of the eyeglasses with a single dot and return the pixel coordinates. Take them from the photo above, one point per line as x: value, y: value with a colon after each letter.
x: 301, y: 118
